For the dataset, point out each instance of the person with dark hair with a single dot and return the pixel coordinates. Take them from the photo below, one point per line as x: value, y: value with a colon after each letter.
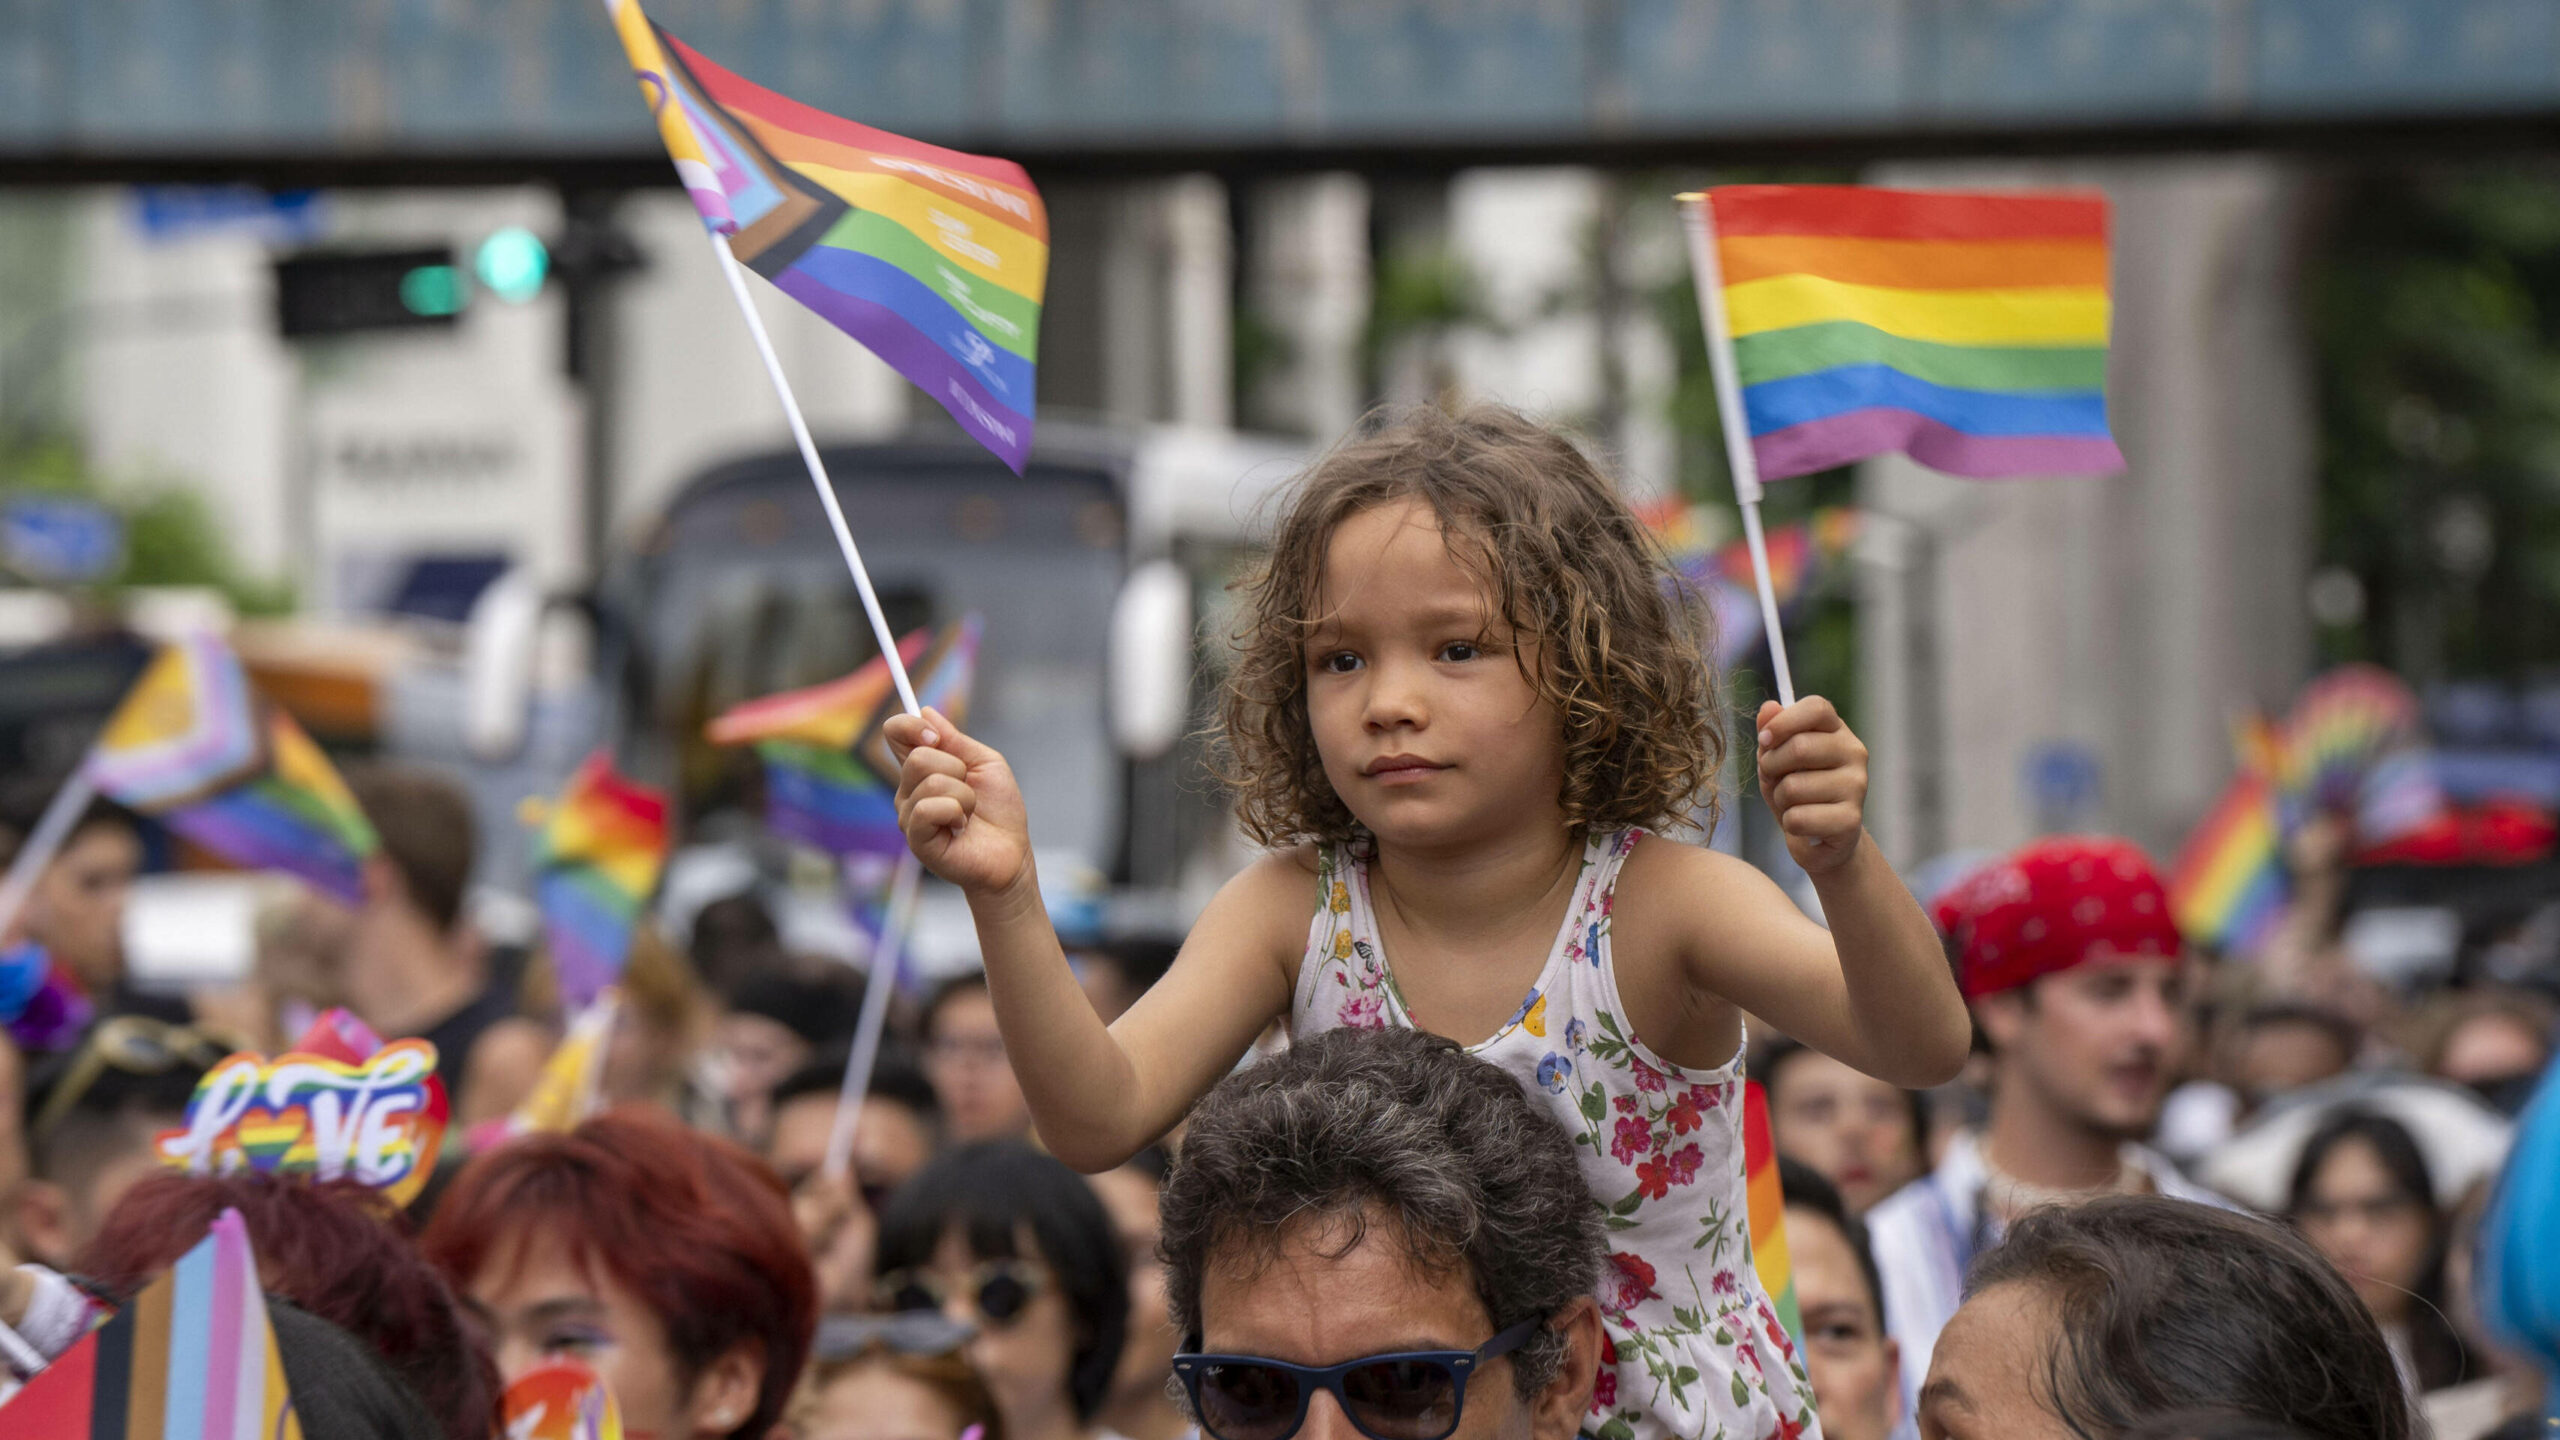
x: 2211, y: 1425
x: 334, y: 1248
x: 664, y: 1258
x: 2363, y: 1197
x: 964, y: 1057
x: 1012, y: 1243
x: 777, y: 1019
x: 2077, y: 977
x: 1114, y: 973
x: 2278, y: 1047
x: 1867, y: 1137
x: 1854, y: 1365
x: 76, y: 910
x: 894, y: 1138
x: 1376, y: 1226
x: 91, y: 1117
x: 1142, y: 1406
x: 2090, y: 1319
x: 411, y: 963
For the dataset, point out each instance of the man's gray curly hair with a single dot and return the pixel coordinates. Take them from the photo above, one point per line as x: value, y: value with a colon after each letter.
x: 1396, y: 1133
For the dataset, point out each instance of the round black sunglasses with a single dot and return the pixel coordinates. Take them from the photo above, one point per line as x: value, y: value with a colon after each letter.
x: 1409, y: 1395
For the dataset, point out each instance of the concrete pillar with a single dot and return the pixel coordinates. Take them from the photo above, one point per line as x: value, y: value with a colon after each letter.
x: 2129, y: 617
x: 1308, y: 288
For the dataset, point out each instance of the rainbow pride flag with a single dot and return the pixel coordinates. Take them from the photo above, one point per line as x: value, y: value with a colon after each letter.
x: 596, y: 865
x: 193, y: 1355
x: 934, y: 259
x: 1966, y: 331
x: 194, y: 746
x: 1767, y: 1201
x: 2342, y: 726
x: 2229, y: 885
x: 829, y: 781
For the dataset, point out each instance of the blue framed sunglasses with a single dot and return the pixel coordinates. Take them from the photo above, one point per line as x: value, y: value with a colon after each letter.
x: 1411, y: 1395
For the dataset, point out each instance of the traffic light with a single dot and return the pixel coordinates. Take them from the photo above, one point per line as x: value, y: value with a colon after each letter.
x: 348, y: 292
x: 511, y: 264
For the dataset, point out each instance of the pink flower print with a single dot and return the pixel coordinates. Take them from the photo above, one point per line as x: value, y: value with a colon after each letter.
x: 1684, y: 1164
x: 1750, y: 1354
x: 1634, y: 1137
x: 1604, y: 1390
x: 1626, y: 1104
x: 1777, y: 1333
x: 1724, y: 1283
x: 1361, y: 1013
x: 1653, y: 1178
x: 1648, y: 1079
x: 1705, y: 1097
x: 1684, y: 1116
x: 1633, y: 1281
x: 1788, y: 1428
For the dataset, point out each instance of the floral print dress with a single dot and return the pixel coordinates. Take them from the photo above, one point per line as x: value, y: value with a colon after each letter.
x: 1693, y: 1348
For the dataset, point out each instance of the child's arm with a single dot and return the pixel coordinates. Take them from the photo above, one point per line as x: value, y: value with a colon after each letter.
x: 1875, y: 991
x: 1097, y: 1095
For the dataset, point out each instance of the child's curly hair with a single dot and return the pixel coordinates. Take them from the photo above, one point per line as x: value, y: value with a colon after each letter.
x: 1620, y: 646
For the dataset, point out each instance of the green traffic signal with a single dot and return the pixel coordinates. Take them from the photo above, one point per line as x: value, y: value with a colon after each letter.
x: 511, y: 264
x: 432, y: 290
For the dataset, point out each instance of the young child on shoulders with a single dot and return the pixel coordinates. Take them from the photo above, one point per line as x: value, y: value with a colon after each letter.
x: 1468, y: 698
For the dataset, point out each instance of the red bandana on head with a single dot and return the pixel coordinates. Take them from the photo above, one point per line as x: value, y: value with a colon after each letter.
x: 2052, y: 906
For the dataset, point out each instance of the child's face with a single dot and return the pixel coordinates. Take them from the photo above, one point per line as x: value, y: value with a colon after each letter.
x: 1428, y: 728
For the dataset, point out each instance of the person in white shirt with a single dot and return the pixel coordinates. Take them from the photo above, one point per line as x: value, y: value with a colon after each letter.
x: 2077, y: 979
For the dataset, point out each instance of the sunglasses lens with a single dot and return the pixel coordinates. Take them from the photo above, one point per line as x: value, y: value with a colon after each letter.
x: 912, y: 1296
x: 1248, y: 1402
x: 1002, y: 1297
x: 1403, y: 1399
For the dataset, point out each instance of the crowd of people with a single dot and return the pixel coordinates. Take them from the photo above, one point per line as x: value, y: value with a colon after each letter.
x: 2047, y: 1169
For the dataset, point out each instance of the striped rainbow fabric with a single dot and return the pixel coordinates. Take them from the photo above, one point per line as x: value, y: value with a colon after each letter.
x: 596, y: 866
x: 935, y: 259
x: 192, y: 1356
x: 829, y: 781
x: 2229, y: 885
x: 196, y: 747
x: 1967, y: 331
x: 1767, y: 1201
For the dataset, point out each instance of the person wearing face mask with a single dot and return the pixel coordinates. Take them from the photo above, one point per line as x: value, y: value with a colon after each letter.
x: 664, y: 1259
x: 2077, y: 979
x: 1010, y: 1242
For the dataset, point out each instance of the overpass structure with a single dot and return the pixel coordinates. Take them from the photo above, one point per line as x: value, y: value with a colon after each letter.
x: 411, y: 91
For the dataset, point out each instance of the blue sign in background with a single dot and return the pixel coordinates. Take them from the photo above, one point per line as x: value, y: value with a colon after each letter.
x: 58, y: 540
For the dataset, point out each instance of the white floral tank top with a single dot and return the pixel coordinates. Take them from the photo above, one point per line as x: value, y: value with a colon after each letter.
x: 1693, y: 1348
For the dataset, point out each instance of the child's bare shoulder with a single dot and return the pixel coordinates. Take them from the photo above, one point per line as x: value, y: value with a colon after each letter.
x: 1672, y: 893
x: 1266, y: 908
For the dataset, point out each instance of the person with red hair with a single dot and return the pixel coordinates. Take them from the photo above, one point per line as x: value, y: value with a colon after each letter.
x: 336, y: 1249
x: 664, y: 1258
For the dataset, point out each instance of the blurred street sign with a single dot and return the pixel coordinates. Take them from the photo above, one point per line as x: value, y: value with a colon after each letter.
x: 176, y: 212
x: 59, y: 539
x: 2063, y: 783
x: 416, y: 494
x: 349, y: 292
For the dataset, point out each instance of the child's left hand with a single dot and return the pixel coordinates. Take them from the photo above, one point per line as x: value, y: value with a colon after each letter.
x: 1813, y: 773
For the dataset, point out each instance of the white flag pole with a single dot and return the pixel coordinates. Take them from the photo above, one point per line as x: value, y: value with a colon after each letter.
x: 44, y: 842
x: 858, y: 1066
x: 817, y: 474
x: 1737, y: 425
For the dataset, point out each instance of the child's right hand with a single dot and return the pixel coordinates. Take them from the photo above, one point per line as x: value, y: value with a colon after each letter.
x: 959, y: 806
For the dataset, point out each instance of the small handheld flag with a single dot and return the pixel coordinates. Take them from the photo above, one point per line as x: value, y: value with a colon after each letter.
x: 1768, y: 1212
x: 570, y: 1087
x: 595, y: 867
x: 559, y: 1400
x: 1843, y: 322
x: 934, y: 259
x: 193, y: 1355
x: 195, y: 747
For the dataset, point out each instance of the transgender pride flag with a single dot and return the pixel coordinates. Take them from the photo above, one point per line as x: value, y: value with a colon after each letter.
x: 934, y: 259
